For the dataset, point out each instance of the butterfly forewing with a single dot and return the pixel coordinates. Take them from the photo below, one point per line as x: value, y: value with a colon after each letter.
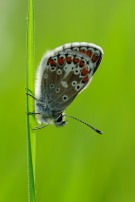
x: 66, y: 71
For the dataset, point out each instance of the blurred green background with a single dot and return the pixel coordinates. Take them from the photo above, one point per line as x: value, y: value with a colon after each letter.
x: 73, y: 163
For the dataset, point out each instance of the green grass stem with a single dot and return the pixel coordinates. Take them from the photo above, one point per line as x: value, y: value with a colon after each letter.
x: 30, y: 75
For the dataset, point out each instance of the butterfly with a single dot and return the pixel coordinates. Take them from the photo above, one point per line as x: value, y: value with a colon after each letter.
x: 62, y: 74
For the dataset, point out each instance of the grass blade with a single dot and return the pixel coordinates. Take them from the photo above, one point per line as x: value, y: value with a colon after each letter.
x: 30, y: 74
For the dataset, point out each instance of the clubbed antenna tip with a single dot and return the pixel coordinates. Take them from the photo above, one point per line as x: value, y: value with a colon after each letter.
x: 95, y: 129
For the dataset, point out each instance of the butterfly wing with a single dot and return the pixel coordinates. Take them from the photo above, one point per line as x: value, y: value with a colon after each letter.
x: 66, y: 71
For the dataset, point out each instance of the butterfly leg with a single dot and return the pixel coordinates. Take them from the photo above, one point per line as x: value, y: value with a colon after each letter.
x: 37, y: 127
x: 31, y: 96
x: 40, y: 127
x: 30, y: 93
x: 28, y: 90
x: 32, y: 113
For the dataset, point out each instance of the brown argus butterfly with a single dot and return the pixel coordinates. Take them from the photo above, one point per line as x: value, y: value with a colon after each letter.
x: 62, y: 74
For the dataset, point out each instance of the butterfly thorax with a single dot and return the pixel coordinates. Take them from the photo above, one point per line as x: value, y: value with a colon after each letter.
x: 46, y: 115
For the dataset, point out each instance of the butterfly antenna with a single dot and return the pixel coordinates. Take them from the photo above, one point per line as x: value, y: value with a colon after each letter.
x: 95, y: 129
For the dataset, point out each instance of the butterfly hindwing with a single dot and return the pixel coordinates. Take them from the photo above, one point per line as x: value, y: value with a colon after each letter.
x: 62, y: 74
x: 68, y: 71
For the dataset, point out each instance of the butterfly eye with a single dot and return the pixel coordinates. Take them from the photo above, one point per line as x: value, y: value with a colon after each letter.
x: 59, y: 121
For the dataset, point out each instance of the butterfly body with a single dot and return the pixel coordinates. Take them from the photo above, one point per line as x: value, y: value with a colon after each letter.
x: 62, y: 74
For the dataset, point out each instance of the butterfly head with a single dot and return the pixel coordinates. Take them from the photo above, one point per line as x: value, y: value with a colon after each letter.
x: 45, y: 114
x: 59, y: 120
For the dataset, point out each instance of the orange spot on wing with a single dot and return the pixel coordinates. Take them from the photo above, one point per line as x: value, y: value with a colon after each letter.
x: 84, y: 72
x: 61, y: 61
x: 81, y: 64
x: 69, y: 60
x: 85, y: 79
x: 89, y: 53
x: 76, y: 60
x: 51, y: 62
x: 95, y: 58
x: 82, y: 51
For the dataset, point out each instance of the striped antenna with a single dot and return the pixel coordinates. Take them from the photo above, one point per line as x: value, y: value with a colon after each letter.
x: 95, y: 129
